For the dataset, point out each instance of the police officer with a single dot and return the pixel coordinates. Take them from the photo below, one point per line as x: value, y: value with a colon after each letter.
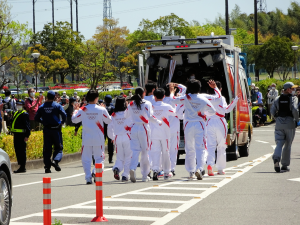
x: 110, y: 109
x: 285, y: 112
x: 21, y: 129
x: 49, y: 115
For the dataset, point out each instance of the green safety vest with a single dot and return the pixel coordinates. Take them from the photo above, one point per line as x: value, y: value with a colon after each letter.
x: 16, y: 115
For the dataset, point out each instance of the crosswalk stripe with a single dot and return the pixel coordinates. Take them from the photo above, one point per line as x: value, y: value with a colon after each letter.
x: 125, y: 208
x: 142, y: 200
x: 180, y: 188
x: 164, y: 194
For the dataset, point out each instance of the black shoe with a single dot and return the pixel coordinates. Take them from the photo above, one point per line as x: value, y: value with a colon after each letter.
x: 56, y: 166
x: 116, y: 174
x: 110, y: 162
x: 20, y: 170
x: 173, y: 172
x: 89, y: 182
x: 155, y: 175
x: 47, y: 170
x: 276, y: 166
x: 285, y: 169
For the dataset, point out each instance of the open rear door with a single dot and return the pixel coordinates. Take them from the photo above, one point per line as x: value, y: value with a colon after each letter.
x: 141, y: 71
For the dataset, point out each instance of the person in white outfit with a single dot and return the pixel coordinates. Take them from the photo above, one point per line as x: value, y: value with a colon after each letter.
x: 197, y: 108
x: 160, y: 135
x: 175, y: 124
x: 119, y: 132
x: 92, y: 117
x: 217, y: 132
x: 140, y: 112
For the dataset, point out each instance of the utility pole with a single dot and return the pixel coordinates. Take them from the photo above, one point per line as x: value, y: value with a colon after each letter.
x: 71, y: 11
x: 256, y: 35
x: 76, y: 2
x: 33, y: 4
x: 107, y: 11
x: 227, y: 17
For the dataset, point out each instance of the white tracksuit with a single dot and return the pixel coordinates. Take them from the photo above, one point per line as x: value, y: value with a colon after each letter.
x: 217, y: 132
x: 140, y: 134
x: 197, y: 107
x: 119, y: 131
x: 160, y: 137
x: 175, y: 126
x: 92, y: 117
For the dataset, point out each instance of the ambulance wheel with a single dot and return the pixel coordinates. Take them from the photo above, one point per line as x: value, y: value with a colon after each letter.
x: 231, y: 153
x: 244, y: 149
x: 5, y: 199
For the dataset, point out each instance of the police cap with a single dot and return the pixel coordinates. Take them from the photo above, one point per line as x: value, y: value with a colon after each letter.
x: 289, y: 85
x: 51, y: 94
x: 20, y: 102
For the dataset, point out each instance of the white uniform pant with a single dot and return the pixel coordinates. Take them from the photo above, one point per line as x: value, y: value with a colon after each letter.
x: 139, y: 143
x: 86, y: 158
x: 216, y: 139
x: 174, y: 145
x: 195, y: 145
x: 124, y: 153
x: 160, y: 155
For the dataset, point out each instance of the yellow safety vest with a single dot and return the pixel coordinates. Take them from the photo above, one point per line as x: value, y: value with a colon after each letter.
x: 16, y: 115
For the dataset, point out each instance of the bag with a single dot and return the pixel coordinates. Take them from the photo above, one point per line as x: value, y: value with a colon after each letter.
x: 6, y: 105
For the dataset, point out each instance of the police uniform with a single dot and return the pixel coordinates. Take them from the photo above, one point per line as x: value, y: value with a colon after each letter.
x: 21, y: 129
x: 285, y: 111
x: 49, y: 115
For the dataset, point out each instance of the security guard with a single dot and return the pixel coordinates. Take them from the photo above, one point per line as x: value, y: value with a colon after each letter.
x: 49, y: 115
x: 21, y: 129
x: 285, y: 112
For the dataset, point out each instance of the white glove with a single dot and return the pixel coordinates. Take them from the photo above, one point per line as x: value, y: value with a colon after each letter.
x: 236, y: 98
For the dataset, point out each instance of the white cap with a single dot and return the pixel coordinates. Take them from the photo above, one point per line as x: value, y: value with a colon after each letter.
x: 64, y: 92
x: 75, y: 93
x: 253, y: 84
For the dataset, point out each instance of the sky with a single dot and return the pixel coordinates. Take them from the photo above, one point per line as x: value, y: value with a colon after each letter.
x: 129, y: 12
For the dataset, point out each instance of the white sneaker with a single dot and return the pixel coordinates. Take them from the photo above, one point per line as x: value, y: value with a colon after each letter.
x: 198, y: 174
x: 145, y: 179
x: 132, y: 176
x: 192, y: 176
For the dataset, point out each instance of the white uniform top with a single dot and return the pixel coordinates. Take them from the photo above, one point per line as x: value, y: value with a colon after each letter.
x: 224, y: 108
x: 197, y: 107
x: 162, y: 112
x: 150, y: 98
x: 141, y: 116
x: 92, y: 117
x: 119, y: 125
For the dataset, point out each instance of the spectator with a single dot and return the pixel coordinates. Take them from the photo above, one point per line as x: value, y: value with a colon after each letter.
x: 130, y: 94
x: 272, y: 95
x: 123, y: 95
x: 259, y: 96
x: 253, y: 94
x: 8, y: 102
x: 260, y: 116
x: 114, y: 99
x: 42, y: 96
x: 77, y: 98
x: 69, y: 111
x: 32, y: 104
x: 13, y: 97
x: 64, y: 98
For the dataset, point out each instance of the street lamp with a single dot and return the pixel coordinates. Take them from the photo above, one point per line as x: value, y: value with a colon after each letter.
x: 35, y: 56
x: 295, y: 49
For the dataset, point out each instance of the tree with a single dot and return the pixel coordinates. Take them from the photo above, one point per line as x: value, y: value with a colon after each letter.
x: 63, y: 40
x: 276, y: 52
x: 13, y: 37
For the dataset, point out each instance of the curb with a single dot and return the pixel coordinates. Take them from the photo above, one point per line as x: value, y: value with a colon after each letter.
x: 39, y: 163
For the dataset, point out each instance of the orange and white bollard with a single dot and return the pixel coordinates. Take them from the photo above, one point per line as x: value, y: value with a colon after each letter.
x: 99, y: 195
x: 47, y: 200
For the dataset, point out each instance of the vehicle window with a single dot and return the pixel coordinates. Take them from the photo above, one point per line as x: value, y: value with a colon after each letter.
x: 242, y: 83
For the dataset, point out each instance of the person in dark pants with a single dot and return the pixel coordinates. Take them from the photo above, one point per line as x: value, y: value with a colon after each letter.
x: 69, y: 111
x: 110, y: 109
x: 49, y: 115
x: 260, y: 116
x: 21, y: 129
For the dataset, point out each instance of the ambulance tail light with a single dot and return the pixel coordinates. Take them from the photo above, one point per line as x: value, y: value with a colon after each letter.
x: 182, y: 46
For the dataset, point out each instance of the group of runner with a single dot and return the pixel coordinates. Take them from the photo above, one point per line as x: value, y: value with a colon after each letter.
x: 146, y: 128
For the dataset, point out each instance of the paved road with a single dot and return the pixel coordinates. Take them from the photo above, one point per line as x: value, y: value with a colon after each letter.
x: 250, y: 193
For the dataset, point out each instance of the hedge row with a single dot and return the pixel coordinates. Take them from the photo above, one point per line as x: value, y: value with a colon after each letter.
x: 71, y: 93
x: 263, y: 85
x: 71, y: 144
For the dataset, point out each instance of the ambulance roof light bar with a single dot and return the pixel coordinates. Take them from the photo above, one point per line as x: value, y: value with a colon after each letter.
x: 182, y: 41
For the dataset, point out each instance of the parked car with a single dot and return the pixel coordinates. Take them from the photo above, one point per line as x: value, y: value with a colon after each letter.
x: 5, y: 188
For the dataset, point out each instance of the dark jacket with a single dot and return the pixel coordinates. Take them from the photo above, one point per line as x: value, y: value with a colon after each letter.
x: 22, y: 122
x: 262, y: 114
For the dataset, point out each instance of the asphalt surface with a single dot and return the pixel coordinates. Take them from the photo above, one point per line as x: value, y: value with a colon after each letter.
x: 250, y: 193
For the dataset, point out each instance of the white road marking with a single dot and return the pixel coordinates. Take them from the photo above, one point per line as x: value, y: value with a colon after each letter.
x: 25, y: 223
x: 296, y: 179
x: 197, y: 183
x: 117, y: 217
x: 180, y: 188
x: 124, y: 208
x: 262, y: 142
x: 164, y: 194
x: 142, y: 200
x: 61, y: 178
x: 170, y: 216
